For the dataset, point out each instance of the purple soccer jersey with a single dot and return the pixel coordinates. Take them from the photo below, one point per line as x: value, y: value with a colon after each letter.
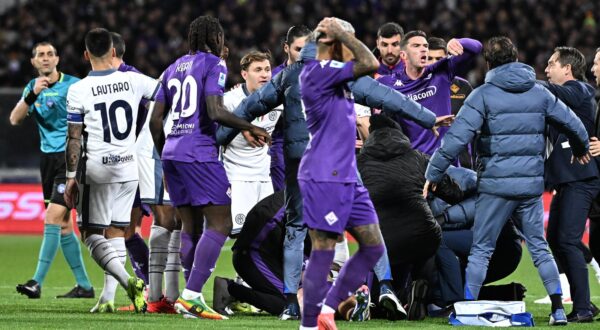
x: 278, y: 68
x: 185, y: 85
x: 331, y: 121
x: 432, y: 90
x: 142, y: 110
x: 386, y: 70
x: 277, y: 142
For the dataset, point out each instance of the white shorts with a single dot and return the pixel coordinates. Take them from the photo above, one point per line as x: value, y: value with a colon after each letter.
x: 105, y: 204
x: 244, y: 195
x: 152, y: 188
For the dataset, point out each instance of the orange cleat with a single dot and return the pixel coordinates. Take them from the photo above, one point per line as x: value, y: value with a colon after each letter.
x: 163, y: 306
x: 326, y: 321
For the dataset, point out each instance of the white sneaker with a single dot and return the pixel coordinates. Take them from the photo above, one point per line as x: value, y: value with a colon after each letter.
x: 566, y: 300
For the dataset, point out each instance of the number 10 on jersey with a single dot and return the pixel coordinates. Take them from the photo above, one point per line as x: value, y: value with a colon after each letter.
x: 110, y: 124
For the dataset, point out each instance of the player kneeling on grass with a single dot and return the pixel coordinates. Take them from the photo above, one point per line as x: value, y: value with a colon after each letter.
x: 101, y: 108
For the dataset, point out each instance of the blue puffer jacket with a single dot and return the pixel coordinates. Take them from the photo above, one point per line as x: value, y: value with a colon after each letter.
x: 284, y: 89
x: 460, y: 215
x: 511, y: 110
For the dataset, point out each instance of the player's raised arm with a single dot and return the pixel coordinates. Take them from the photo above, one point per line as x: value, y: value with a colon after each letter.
x: 365, y: 61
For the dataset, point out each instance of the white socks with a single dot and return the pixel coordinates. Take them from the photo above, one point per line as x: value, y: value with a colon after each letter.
x: 159, y: 251
x: 173, y: 267
x: 105, y: 255
x: 110, y: 283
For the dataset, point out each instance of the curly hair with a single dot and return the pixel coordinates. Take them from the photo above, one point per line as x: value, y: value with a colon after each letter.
x: 206, y: 35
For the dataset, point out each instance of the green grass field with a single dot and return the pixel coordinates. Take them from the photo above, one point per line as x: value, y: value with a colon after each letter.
x: 18, y: 255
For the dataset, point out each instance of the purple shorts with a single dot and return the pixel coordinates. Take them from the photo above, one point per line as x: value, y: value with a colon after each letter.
x: 197, y: 183
x: 137, y: 202
x: 334, y: 206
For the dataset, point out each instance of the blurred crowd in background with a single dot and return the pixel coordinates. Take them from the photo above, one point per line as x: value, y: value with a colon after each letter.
x: 156, y: 30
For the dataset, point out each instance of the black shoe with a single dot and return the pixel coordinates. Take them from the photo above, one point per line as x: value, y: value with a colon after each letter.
x: 595, y: 309
x: 291, y: 312
x: 31, y: 289
x: 221, y: 296
x: 574, y: 317
x: 78, y: 292
x: 417, y: 306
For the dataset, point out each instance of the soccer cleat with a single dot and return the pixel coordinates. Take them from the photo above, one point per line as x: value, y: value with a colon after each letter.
x: 326, y: 321
x: 362, y: 309
x: 196, y: 308
x: 163, y: 306
x: 390, y: 303
x: 238, y: 306
x: 135, y: 292
x: 558, y: 317
x: 107, y: 307
x: 221, y: 296
x: 31, y: 289
x: 78, y: 292
x: 291, y: 312
x: 417, y: 306
x: 130, y: 307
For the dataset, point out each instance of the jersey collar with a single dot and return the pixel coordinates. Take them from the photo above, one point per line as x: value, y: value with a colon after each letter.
x: 101, y: 72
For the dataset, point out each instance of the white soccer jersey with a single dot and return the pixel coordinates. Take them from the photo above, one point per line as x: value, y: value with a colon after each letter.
x: 106, y: 102
x: 242, y: 161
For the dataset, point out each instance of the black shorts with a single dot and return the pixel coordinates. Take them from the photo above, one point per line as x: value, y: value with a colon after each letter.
x: 53, y: 169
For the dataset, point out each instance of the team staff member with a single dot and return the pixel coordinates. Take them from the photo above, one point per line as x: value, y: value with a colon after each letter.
x: 576, y: 185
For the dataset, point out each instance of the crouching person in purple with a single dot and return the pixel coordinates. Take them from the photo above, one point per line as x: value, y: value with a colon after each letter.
x: 333, y: 199
x: 192, y: 88
x: 258, y: 260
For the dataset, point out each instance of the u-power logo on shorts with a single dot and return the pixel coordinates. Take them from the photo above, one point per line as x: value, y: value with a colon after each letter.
x: 423, y: 93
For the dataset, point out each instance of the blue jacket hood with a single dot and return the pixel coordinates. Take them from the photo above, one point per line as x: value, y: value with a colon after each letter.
x: 512, y: 77
x: 309, y: 51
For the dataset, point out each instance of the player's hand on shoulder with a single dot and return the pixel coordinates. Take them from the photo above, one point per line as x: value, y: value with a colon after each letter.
x: 41, y: 83
x: 454, y: 47
x: 71, y: 193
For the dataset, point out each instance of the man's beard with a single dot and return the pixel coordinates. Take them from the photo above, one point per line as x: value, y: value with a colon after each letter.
x: 394, y: 61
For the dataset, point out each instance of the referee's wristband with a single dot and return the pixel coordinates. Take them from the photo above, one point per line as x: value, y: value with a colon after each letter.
x: 71, y: 175
x: 30, y: 98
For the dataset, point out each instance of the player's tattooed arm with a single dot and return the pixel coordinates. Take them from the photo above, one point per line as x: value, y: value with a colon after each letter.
x: 365, y: 61
x: 72, y: 158
x: 73, y: 146
x: 217, y: 112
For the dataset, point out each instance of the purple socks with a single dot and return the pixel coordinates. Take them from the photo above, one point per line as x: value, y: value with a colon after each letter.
x: 205, y: 259
x: 315, y: 285
x: 138, y: 255
x: 188, y: 247
x: 353, y: 274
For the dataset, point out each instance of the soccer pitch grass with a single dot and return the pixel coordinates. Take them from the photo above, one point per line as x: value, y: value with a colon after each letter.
x: 18, y: 256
